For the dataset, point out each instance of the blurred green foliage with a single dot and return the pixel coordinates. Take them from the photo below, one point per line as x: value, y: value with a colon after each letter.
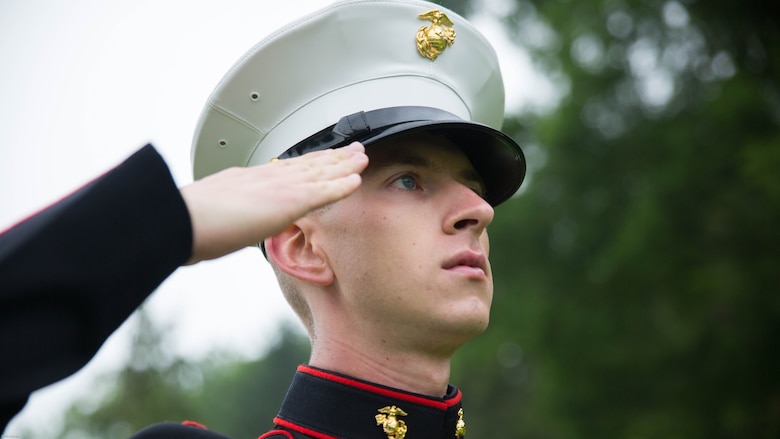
x: 234, y: 396
x: 636, y: 274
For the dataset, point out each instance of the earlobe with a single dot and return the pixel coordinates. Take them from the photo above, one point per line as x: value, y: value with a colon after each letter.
x: 295, y: 255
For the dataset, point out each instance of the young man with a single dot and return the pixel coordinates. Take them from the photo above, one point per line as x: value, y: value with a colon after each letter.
x: 388, y: 281
x: 391, y: 280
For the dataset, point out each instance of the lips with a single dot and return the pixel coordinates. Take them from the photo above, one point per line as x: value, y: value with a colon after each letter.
x: 468, y: 262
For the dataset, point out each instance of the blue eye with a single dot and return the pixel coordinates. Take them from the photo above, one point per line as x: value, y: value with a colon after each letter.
x: 405, y: 182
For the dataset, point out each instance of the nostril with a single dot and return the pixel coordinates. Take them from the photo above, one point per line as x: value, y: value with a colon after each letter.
x: 462, y: 224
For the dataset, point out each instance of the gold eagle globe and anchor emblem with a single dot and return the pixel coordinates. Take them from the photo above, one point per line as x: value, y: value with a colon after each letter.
x: 433, y: 39
x: 393, y: 427
x: 460, y: 427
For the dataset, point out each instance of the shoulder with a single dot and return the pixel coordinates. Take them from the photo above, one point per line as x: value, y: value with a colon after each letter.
x: 277, y: 434
x: 177, y: 431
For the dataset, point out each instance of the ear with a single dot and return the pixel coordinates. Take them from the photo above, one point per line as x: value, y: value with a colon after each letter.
x: 295, y: 255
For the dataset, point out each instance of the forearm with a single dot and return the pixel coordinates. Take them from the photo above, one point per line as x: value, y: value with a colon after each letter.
x: 70, y: 275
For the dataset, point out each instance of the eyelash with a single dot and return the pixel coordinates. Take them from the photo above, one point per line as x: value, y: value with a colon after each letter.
x: 396, y: 181
x: 411, y: 176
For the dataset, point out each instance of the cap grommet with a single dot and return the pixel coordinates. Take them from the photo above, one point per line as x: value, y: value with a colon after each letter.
x: 254, y: 96
x: 222, y: 143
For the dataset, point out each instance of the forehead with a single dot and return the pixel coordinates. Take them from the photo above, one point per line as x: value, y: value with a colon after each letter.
x: 421, y: 150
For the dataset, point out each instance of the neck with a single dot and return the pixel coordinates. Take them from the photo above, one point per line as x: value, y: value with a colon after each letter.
x: 422, y: 373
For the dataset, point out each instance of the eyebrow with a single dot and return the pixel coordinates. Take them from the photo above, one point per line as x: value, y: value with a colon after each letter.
x: 412, y: 159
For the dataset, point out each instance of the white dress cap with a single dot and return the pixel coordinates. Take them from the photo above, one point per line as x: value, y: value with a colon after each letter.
x: 354, y: 56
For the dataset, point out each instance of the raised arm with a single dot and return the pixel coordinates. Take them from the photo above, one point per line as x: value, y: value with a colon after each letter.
x: 71, y: 274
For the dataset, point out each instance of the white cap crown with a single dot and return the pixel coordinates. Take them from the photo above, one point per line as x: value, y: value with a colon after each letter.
x: 352, y: 56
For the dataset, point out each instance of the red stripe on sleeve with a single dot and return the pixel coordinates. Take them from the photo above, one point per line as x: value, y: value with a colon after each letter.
x: 300, y: 429
x: 275, y: 432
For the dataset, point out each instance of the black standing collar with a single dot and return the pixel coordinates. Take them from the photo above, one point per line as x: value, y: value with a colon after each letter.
x: 326, y: 405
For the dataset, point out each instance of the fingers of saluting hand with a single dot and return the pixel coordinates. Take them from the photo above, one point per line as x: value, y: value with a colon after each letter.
x: 319, y: 178
x: 238, y: 207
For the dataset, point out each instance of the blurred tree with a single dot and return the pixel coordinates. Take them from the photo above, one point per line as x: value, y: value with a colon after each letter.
x: 241, y: 398
x: 230, y: 395
x: 153, y: 387
x: 636, y: 276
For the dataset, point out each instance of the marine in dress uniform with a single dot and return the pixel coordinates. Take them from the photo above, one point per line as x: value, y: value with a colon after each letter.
x: 359, y: 70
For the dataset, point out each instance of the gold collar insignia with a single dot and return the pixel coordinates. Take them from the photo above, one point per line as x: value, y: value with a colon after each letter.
x: 393, y: 427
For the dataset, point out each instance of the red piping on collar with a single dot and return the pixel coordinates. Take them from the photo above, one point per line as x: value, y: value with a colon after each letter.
x: 441, y: 405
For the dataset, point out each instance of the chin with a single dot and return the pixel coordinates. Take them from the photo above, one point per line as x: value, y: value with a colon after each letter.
x: 469, y: 326
x: 458, y: 325
x: 457, y: 337
x: 479, y: 326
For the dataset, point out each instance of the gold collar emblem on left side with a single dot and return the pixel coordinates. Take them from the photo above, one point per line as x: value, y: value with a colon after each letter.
x: 433, y: 39
x: 393, y: 427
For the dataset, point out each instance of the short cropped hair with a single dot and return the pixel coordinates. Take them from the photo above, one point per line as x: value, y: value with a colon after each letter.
x: 296, y: 300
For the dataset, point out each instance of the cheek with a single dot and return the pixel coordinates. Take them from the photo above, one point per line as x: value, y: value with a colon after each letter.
x: 376, y: 233
x: 360, y: 236
x: 485, y: 240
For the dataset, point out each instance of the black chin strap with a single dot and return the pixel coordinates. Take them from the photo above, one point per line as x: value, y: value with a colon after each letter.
x: 360, y: 125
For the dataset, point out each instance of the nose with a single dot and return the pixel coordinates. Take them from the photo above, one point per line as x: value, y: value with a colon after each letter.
x: 467, y: 211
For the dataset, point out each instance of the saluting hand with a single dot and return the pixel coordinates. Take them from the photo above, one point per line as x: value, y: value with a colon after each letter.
x: 238, y: 207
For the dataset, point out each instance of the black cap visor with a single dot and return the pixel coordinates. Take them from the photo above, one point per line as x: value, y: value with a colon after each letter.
x: 497, y: 158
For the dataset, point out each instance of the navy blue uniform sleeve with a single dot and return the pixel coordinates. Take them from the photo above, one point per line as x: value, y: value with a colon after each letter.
x: 71, y: 274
